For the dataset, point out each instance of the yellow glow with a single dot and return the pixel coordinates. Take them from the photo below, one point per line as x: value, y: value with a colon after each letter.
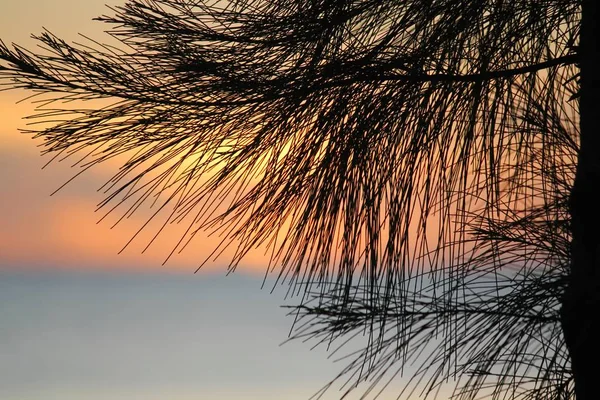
x: 39, y: 231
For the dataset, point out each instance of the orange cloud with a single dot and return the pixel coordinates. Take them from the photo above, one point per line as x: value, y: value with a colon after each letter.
x: 40, y: 231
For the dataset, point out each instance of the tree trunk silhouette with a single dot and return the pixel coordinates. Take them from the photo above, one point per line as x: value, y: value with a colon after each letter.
x: 581, y: 305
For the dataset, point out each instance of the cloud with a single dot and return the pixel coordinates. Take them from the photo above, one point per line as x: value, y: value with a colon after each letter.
x: 61, y: 231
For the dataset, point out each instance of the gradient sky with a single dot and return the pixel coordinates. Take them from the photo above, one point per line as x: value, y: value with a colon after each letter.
x: 79, y: 321
x: 40, y: 232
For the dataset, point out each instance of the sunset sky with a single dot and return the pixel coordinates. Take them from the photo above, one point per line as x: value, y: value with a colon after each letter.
x: 43, y: 232
x: 80, y: 321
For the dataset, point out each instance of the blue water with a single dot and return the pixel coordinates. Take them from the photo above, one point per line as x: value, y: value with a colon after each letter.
x: 116, y: 337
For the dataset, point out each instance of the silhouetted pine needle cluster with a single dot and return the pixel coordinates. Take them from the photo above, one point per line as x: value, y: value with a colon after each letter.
x: 407, y: 162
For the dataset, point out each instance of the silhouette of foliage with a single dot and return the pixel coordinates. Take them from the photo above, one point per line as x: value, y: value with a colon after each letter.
x: 407, y: 163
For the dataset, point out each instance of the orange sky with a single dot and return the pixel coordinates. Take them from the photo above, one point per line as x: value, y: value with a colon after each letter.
x: 61, y: 232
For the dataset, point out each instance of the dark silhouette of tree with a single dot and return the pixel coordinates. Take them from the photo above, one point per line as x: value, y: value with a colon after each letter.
x: 423, y: 171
